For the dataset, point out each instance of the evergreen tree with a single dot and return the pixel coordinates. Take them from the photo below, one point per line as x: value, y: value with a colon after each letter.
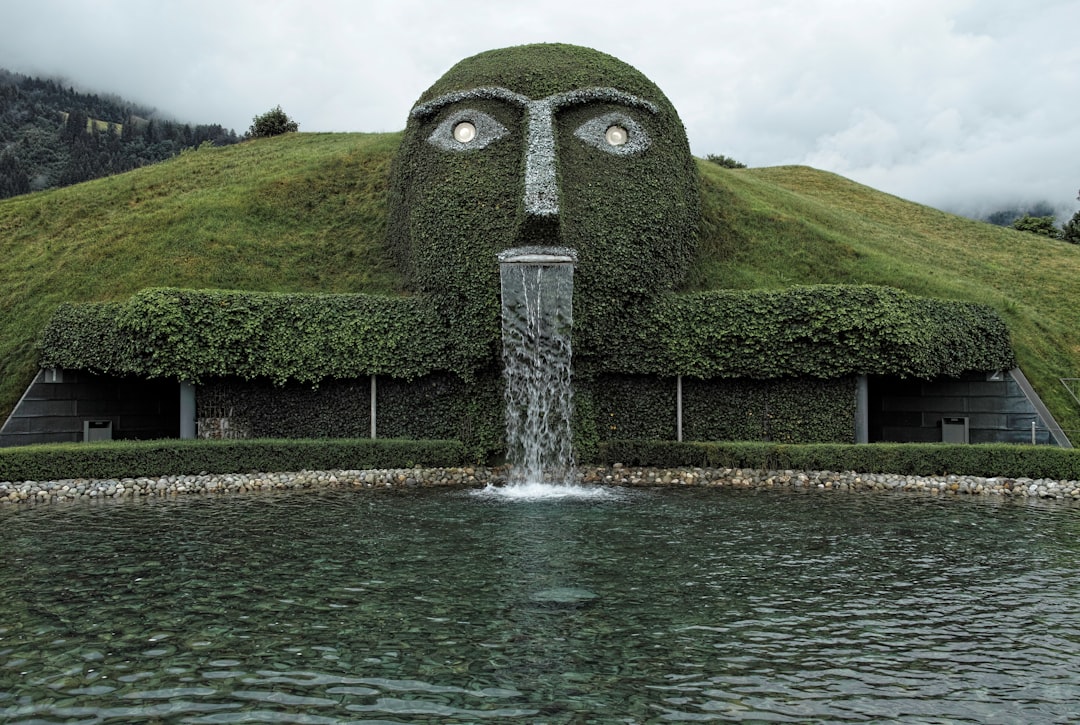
x: 13, y: 177
x: 52, y: 135
x: 75, y: 126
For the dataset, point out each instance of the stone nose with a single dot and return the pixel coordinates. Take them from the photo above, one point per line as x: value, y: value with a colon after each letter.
x: 541, y: 201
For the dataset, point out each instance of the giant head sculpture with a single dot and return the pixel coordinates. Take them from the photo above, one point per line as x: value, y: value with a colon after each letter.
x: 548, y: 145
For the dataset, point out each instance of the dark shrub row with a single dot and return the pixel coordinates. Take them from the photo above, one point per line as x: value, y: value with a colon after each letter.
x: 132, y: 459
x: 914, y: 459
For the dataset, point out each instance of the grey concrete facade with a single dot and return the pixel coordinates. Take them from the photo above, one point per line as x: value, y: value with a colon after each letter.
x: 983, y: 407
x: 64, y: 406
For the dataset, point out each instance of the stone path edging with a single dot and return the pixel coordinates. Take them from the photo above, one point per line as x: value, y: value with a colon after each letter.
x: 26, y: 492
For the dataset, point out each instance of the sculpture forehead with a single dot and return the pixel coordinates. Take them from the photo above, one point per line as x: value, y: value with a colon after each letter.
x: 541, y: 105
x: 544, y: 70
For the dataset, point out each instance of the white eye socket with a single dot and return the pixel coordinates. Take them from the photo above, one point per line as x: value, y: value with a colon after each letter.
x: 616, y: 136
x: 464, y: 132
x: 614, y: 133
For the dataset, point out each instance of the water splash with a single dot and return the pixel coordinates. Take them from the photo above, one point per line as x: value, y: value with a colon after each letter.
x: 536, y: 491
x: 537, y: 318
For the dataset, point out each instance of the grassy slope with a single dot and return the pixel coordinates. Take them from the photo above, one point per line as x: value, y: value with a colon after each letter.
x: 305, y: 212
x: 775, y: 227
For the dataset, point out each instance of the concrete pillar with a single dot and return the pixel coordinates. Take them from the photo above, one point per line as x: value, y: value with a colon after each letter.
x: 187, y: 411
x: 373, y: 407
x: 678, y: 408
x: 862, y: 410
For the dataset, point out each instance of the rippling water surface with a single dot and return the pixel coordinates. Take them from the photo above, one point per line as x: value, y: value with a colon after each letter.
x: 436, y: 606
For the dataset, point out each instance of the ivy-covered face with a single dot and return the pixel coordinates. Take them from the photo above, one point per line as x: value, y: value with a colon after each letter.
x: 550, y: 145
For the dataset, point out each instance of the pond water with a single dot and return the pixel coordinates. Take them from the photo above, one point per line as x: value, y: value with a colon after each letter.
x: 340, y: 606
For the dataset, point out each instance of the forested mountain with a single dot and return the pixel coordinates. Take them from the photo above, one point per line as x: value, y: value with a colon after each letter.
x: 52, y: 135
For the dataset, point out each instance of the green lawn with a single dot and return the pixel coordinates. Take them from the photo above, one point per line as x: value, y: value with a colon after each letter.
x: 306, y: 213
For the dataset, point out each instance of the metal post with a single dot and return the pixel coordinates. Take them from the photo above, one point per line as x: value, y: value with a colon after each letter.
x: 1032, y: 431
x: 373, y: 406
x: 678, y: 408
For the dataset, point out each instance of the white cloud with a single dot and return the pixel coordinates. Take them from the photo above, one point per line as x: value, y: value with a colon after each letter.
x: 947, y: 102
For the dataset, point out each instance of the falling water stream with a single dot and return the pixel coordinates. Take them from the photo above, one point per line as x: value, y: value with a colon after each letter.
x: 537, y: 317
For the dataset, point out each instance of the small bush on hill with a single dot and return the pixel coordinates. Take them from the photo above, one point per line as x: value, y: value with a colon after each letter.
x: 272, y: 123
x: 726, y: 161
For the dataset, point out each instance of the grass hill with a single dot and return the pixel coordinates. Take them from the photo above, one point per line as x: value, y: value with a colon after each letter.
x: 306, y: 213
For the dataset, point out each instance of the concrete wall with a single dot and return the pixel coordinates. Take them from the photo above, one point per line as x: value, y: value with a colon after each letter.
x: 995, y: 406
x: 57, y: 405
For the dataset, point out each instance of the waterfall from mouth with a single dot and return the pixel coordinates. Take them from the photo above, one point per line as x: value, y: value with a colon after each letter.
x: 537, y: 318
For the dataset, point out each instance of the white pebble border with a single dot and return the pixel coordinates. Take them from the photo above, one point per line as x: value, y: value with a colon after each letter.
x: 80, y: 489
x: 1041, y: 488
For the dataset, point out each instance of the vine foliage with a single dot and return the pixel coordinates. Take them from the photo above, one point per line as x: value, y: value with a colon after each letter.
x: 827, y: 331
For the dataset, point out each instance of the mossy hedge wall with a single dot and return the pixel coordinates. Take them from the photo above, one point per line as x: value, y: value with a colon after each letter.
x: 823, y: 332
x: 439, y: 406
x: 611, y: 407
x: 782, y: 410
x: 631, y: 218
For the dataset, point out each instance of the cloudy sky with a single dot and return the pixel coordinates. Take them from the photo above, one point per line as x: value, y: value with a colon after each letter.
x: 966, y: 105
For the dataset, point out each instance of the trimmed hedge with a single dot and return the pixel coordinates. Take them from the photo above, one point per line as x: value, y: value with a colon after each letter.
x: 822, y: 331
x: 914, y: 459
x: 191, y: 335
x: 132, y: 459
x: 813, y: 332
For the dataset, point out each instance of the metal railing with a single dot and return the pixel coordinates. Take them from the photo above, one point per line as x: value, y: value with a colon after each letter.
x: 1073, y: 386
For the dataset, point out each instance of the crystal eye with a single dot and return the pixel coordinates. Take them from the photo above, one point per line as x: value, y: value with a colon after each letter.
x: 614, y: 133
x: 616, y: 136
x: 464, y: 132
